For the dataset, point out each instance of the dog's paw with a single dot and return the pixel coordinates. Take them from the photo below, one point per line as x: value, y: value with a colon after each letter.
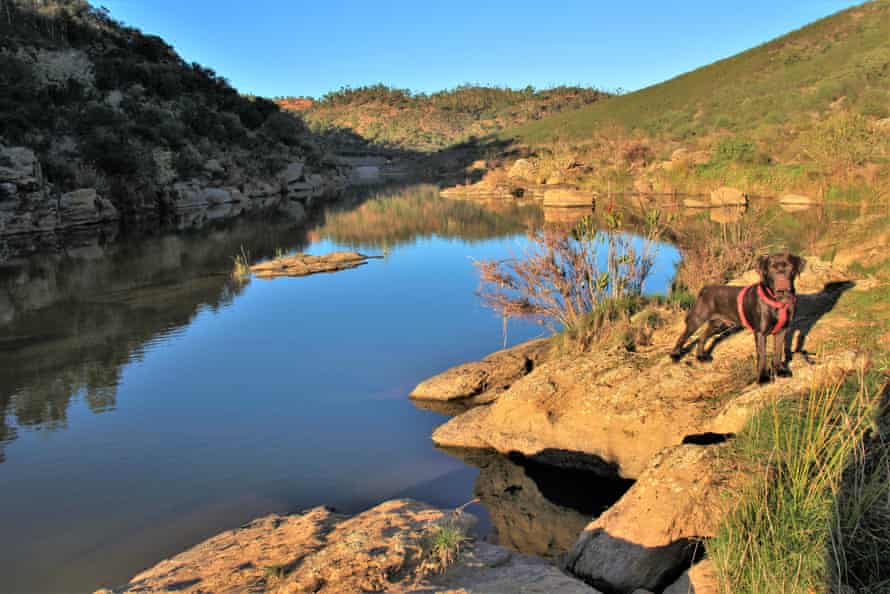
x: 675, y: 357
x: 783, y: 372
x: 704, y: 358
x: 764, y: 378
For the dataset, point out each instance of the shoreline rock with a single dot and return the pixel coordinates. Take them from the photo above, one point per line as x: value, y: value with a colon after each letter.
x: 382, y: 549
x: 652, y: 533
x: 481, y: 382
x: 624, y: 407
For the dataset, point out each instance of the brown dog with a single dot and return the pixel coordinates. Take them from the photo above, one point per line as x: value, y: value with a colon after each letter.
x: 765, y: 308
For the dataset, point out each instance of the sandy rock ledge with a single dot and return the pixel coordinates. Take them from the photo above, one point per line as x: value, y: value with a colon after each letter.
x: 379, y: 550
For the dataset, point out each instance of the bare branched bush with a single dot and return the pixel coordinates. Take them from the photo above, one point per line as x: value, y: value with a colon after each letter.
x: 578, y: 282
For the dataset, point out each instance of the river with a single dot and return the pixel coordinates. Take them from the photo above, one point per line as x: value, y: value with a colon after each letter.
x: 148, y: 402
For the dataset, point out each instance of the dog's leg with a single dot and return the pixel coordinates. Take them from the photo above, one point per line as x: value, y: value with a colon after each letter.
x: 701, y: 353
x: 694, y: 319
x: 763, y: 375
x: 781, y: 354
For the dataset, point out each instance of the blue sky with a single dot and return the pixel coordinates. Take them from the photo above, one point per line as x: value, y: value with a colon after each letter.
x: 295, y: 47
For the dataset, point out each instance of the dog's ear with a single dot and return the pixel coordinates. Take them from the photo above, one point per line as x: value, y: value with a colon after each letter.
x: 763, y: 266
x: 798, y: 263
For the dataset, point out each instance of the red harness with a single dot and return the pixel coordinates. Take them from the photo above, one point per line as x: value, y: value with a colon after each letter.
x: 770, y: 300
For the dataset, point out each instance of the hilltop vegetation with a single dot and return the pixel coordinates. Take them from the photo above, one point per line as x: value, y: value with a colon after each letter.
x: 805, y: 111
x: 399, y: 118
x: 104, y: 105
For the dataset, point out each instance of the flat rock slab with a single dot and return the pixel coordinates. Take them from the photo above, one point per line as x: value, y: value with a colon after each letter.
x: 304, y: 264
x: 380, y: 550
x: 483, y: 380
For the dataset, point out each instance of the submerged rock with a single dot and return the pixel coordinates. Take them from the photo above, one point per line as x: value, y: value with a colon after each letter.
x: 381, y: 550
x: 304, y: 264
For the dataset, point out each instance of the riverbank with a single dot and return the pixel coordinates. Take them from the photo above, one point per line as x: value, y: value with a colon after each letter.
x: 671, y: 431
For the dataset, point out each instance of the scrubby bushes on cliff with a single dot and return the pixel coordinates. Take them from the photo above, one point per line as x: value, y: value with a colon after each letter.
x: 89, y: 94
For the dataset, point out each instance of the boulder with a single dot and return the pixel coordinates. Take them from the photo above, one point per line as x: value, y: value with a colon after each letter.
x: 726, y: 196
x: 187, y: 196
x: 85, y: 207
x: 292, y: 173
x: 214, y: 167
x: 797, y: 199
x: 524, y: 169
x: 378, y: 550
x: 367, y: 173
x: 652, y: 533
x: 215, y: 196
x: 262, y: 194
x: 19, y: 166
x: 568, y: 197
x: 482, y: 381
x: 701, y: 578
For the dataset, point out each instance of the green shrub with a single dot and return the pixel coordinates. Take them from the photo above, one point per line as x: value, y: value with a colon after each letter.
x: 284, y: 128
x: 735, y: 150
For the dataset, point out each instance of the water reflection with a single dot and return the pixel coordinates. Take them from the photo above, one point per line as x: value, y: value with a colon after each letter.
x: 70, y: 321
x: 536, y: 508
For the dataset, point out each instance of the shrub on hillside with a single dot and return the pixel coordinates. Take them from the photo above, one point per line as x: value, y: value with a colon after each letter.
x: 284, y: 128
x: 735, y: 150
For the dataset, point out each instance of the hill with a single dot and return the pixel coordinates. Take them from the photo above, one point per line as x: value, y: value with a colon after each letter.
x: 90, y: 105
x: 427, y: 122
x: 808, y: 106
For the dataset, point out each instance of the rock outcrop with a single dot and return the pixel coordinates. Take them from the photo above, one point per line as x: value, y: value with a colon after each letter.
x: 33, y: 213
x: 30, y: 208
x: 624, y: 407
x: 381, y: 550
x: 652, y: 534
x: 482, y: 381
x: 305, y: 264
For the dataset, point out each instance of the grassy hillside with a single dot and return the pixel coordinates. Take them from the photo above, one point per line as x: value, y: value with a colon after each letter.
x: 399, y: 118
x: 806, y: 106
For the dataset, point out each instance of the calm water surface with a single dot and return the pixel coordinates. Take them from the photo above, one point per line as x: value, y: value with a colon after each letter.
x: 147, y: 403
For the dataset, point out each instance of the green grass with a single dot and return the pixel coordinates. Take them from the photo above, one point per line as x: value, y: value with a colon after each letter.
x: 241, y: 266
x: 814, y: 518
x: 441, y: 546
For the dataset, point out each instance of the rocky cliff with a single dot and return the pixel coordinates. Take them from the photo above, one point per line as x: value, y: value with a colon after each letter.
x: 102, y: 125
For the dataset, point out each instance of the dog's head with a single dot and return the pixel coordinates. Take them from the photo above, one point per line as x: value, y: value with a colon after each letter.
x: 778, y: 271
